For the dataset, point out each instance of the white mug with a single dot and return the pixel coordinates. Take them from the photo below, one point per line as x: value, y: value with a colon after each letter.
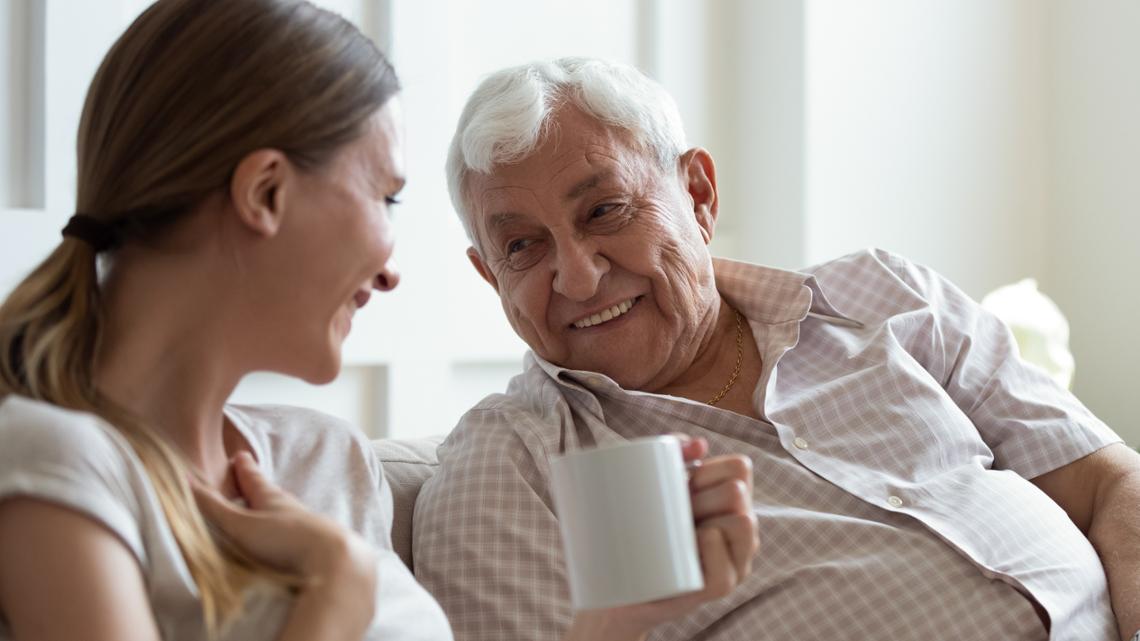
x: 627, y: 523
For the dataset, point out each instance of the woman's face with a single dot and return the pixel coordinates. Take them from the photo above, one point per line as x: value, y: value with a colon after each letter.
x: 339, y: 239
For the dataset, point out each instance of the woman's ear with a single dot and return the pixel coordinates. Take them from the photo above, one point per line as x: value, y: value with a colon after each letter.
x: 258, y: 190
x: 698, y: 175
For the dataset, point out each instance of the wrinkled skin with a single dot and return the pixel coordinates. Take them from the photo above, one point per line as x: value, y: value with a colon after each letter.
x: 589, y: 221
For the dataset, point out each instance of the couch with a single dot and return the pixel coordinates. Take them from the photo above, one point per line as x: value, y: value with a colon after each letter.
x: 408, y: 463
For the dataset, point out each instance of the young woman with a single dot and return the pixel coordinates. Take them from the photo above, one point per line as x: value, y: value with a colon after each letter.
x: 237, y: 161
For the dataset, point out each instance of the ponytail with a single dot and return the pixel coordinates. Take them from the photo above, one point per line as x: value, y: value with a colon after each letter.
x: 50, y: 327
x: 190, y: 89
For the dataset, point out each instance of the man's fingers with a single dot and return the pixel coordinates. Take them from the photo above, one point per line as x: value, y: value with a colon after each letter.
x: 729, y: 497
x: 720, y: 469
x: 742, y: 537
x: 716, y: 562
x: 693, y: 448
x: 722, y: 502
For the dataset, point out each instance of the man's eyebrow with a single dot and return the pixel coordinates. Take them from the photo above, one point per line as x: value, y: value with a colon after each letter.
x: 587, y: 184
x: 499, y: 220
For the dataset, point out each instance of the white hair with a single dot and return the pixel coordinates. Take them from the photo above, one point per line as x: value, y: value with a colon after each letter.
x: 505, y: 119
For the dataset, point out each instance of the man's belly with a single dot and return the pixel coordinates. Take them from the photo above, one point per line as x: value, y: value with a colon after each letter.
x: 832, y: 566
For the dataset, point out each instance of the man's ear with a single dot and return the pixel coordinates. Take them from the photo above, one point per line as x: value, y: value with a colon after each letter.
x: 698, y: 175
x: 258, y: 190
x: 481, y: 267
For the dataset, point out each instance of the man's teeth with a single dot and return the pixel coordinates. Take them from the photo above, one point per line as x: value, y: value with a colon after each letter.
x: 606, y: 314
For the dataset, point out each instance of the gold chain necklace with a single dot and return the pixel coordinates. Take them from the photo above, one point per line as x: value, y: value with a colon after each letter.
x: 739, y: 361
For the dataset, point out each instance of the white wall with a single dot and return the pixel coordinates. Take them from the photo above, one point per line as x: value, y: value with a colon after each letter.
x: 21, y: 104
x: 756, y: 102
x: 1094, y: 214
x: 925, y: 135
x: 55, y: 47
x: 443, y: 318
x: 417, y: 357
x: 915, y: 126
x: 991, y: 139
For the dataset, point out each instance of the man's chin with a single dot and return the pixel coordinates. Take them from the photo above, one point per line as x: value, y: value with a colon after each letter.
x: 619, y: 373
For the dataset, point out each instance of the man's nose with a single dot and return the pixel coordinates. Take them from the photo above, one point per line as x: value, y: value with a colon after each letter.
x: 579, y: 268
x: 388, y: 277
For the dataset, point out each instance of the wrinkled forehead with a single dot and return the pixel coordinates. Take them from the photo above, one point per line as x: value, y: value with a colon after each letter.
x: 574, y: 153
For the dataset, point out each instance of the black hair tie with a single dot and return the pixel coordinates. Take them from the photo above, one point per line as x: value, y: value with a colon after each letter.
x: 100, y: 235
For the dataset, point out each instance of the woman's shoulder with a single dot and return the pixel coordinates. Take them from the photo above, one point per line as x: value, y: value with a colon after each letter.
x: 323, y: 460
x: 289, y: 432
x: 286, y: 419
x: 35, y: 431
x: 74, y: 459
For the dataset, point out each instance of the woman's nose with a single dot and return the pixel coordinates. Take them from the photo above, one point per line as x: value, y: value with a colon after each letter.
x: 388, y: 278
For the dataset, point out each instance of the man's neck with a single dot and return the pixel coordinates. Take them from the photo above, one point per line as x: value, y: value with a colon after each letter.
x: 715, y: 363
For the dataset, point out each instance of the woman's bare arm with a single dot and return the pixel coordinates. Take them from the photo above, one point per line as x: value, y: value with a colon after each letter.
x: 64, y: 576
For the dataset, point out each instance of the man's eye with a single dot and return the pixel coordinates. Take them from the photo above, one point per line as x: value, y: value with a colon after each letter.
x: 602, y: 210
x: 517, y: 246
x: 523, y: 253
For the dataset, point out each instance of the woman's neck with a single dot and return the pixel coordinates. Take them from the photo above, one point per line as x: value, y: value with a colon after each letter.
x: 167, y: 356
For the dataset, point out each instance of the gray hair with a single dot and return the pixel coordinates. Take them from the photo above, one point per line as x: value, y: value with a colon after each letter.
x: 505, y: 119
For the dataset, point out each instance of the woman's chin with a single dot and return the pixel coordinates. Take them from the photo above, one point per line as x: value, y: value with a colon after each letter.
x: 323, y: 369
x: 324, y: 378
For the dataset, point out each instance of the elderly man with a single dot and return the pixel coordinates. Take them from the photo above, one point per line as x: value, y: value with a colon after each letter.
x: 913, y: 478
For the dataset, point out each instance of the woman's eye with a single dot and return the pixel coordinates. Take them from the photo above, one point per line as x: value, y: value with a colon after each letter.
x: 391, y: 201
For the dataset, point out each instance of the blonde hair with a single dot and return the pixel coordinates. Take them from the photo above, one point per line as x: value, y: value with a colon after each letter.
x: 190, y: 88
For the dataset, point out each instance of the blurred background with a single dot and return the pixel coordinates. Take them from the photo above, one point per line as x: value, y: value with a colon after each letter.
x: 993, y: 140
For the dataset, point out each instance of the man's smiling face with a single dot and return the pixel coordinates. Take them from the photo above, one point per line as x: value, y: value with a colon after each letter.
x: 599, y: 255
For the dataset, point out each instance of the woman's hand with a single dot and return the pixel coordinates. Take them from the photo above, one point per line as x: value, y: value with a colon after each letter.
x: 727, y: 539
x: 277, y: 530
x: 336, y: 567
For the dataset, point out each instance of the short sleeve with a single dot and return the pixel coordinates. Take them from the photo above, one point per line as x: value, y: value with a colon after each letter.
x: 1031, y: 424
x: 379, y: 530
x: 333, y: 470
x: 70, y: 459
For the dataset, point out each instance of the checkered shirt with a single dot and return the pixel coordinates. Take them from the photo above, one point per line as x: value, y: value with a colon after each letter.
x: 899, y: 428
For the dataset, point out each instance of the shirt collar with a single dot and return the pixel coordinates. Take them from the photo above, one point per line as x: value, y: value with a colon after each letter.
x: 763, y: 294
x: 772, y: 296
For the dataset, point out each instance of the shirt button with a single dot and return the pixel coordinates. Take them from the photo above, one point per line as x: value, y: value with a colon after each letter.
x: 894, y: 501
x: 800, y: 443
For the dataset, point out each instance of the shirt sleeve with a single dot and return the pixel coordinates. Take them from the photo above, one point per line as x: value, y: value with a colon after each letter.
x: 487, y: 543
x: 1031, y: 424
x: 371, y: 511
x: 69, y: 459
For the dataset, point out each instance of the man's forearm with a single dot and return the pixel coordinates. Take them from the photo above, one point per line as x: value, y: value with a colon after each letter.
x: 1115, y: 533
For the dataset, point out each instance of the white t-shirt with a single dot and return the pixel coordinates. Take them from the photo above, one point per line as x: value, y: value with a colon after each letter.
x: 77, y: 460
